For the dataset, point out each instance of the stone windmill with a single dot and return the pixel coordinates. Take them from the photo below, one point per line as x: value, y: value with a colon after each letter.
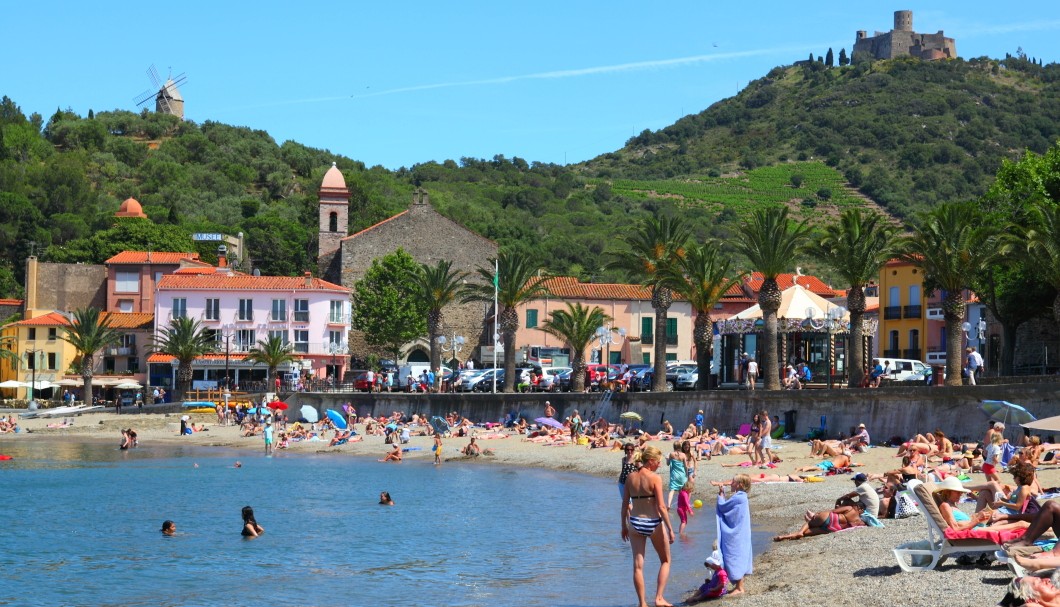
x: 166, y: 94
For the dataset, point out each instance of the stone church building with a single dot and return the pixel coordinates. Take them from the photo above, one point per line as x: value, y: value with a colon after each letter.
x: 426, y: 235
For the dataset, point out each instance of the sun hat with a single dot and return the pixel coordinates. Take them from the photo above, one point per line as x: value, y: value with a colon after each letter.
x: 861, y: 425
x: 714, y: 559
x: 951, y: 483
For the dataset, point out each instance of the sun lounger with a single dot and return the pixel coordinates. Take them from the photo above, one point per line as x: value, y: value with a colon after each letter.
x: 925, y: 555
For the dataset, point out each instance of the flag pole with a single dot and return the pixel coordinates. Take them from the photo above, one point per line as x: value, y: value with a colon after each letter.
x: 496, y: 335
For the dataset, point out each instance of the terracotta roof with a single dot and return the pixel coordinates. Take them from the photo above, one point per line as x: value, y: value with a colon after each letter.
x: 568, y: 287
x: 735, y: 290
x: 165, y: 257
x: 166, y: 358
x: 207, y: 269
x: 785, y: 281
x: 10, y: 302
x: 130, y: 320
x: 51, y: 319
x: 243, y: 282
x: 372, y: 227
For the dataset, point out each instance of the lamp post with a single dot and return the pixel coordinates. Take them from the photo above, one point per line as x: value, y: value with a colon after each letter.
x: 226, y: 333
x: 454, y: 345
x: 32, y: 358
x: 608, y: 335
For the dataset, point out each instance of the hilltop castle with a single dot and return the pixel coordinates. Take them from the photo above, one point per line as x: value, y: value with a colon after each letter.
x: 902, y: 41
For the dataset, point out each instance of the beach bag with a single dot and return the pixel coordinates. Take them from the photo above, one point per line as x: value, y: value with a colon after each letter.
x: 904, y: 506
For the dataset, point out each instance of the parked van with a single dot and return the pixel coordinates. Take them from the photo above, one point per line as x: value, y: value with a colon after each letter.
x: 903, y: 369
x: 416, y: 369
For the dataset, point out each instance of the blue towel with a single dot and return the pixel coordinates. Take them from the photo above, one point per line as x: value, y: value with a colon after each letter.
x: 870, y: 520
x: 734, y: 535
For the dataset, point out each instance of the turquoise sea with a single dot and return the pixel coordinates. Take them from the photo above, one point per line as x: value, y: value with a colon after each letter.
x: 81, y: 525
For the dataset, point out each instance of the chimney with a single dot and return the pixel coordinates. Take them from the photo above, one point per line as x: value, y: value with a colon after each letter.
x: 222, y: 256
x: 308, y: 280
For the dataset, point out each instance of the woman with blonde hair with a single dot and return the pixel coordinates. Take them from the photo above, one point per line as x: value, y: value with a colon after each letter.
x: 644, y: 516
x: 734, y: 531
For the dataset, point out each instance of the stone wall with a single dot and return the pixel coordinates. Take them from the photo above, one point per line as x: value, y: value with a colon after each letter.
x: 886, y: 412
x: 70, y: 286
x: 427, y: 236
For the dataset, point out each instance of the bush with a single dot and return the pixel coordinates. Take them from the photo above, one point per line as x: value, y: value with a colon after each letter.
x: 824, y: 193
x: 796, y: 180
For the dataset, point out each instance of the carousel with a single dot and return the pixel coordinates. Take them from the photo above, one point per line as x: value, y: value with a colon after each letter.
x: 811, y: 330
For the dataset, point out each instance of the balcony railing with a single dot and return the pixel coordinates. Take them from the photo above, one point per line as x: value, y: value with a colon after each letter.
x: 338, y: 319
x: 648, y: 339
x: 671, y: 340
x: 892, y: 313
x: 912, y: 353
x: 301, y: 316
x: 119, y: 351
x: 301, y: 348
x: 892, y: 353
x: 913, y: 311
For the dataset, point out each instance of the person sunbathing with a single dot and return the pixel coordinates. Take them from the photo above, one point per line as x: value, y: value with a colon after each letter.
x: 840, y: 461
x: 340, y: 435
x: 820, y: 448
x: 394, y: 455
x: 826, y: 521
x: 764, y: 478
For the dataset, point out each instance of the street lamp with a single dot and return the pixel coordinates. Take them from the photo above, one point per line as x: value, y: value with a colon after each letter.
x: 33, y: 358
x: 455, y: 345
x: 226, y: 333
x: 608, y: 335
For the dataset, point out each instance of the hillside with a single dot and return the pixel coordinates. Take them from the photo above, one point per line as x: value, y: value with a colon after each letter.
x: 907, y: 133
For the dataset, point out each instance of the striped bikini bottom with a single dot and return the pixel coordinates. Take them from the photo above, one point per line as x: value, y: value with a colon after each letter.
x: 644, y: 525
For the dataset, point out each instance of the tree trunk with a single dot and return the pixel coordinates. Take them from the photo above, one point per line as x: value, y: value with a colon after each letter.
x: 703, y: 336
x: 953, y: 312
x: 660, y: 301
x: 577, y: 376
x: 855, y: 352
x: 433, y: 321
x: 184, y: 374
x: 769, y: 299
x: 509, y: 361
x: 86, y: 390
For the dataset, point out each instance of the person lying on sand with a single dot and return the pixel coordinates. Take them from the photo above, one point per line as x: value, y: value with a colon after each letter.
x: 764, y: 478
x: 840, y: 461
x: 831, y: 448
x: 826, y: 521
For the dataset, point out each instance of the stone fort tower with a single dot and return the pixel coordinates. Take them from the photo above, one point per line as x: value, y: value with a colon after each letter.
x: 902, y: 41
x: 334, y: 223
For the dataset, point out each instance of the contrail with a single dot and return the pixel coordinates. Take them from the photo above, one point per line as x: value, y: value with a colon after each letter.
x: 1008, y: 28
x: 551, y: 75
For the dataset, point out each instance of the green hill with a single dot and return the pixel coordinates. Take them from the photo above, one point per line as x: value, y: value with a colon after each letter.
x: 906, y: 133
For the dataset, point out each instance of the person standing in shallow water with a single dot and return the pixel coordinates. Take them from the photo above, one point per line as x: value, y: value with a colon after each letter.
x: 644, y: 517
x: 251, y: 528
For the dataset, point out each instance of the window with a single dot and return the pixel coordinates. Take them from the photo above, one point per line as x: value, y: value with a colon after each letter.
x: 52, y: 333
x: 245, y: 340
x: 671, y: 356
x: 108, y: 364
x: 671, y: 332
x: 133, y: 364
x: 893, y: 341
x: 281, y: 335
x: 301, y: 310
x: 336, y: 314
x: 246, y: 309
x: 180, y: 307
x: 53, y: 362
x: 914, y: 339
x: 646, y: 326
x: 894, y: 296
x: 301, y: 341
x: 333, y: 222
x: 334, y: 337
x: 646, y: 358
x: 158, y: 277
x: 128, y: 340
x: 31, y: 360
x: 914, y: 295
x: 125, y: 305
x: 213, y: 309
x: 279, y: 310
x: 531, y: 319
x: 126, y: 282
x: 32, y: 334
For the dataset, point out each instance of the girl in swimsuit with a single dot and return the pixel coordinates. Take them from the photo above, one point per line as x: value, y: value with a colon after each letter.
x: 251, y: 528
x: 644, y: 516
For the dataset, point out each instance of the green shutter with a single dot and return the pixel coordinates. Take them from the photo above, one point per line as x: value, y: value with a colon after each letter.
x: 646, y: 325
x: 531, y: 319
x: 671, y: 327
x: 646, y: 358
x: 671, y: 356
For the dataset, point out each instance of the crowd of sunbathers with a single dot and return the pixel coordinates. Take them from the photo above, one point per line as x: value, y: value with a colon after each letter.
x: 8, y: 425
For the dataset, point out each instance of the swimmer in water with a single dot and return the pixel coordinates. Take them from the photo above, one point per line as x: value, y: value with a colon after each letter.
x: 251, y: 528
x: 385, y: 499
x: 169, y: 528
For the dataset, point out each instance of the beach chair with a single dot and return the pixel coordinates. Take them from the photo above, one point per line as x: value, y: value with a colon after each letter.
x: 925, y: 555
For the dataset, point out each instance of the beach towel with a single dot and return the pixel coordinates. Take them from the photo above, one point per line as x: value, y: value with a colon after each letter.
x: 998, y: 537
x: 734, y: 535
x: 870, y: 520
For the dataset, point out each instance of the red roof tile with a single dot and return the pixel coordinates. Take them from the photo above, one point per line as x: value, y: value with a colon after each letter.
x: 786, y: 281
x: 130, y: 320
x: 243, y: 282
x: 51, y: 319
x: 568, y: 287
x: 166, y: 358
x: 165, y: 257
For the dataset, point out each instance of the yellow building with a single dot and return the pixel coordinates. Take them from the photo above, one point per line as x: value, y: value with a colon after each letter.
x: 43, y: 355
x: 911, y: 323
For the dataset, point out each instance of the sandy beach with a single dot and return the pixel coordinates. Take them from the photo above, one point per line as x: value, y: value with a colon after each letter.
x: 851, y: 567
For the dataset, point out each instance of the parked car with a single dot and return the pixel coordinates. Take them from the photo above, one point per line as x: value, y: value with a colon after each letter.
x: 549, y: 376
x: 687, y: 380
x: 484, y: 382
x: 904, y: 369
x: 465, y: 378
x: 360, y: 382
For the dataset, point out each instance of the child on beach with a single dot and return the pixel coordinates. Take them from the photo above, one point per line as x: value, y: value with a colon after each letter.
x: 714, y: 586
x: 437, y: 448
x: 684, y: 504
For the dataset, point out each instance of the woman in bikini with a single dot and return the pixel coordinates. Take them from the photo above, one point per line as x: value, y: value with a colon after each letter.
x: 826, y: 521
x: 251, y: 528
x: 644, y: 516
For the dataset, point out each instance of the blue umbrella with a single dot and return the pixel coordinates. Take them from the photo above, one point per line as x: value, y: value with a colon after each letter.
x: 1006, y: 412
x: 337, y: 418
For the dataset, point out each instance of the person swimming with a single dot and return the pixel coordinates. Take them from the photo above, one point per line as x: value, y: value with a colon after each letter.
x: 385, y: 499
x: 251, y: 528
x: 169, y: 528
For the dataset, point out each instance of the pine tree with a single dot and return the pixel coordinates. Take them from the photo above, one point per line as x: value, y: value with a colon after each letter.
x: 829, y: 59
x: 811, y: 57
x: 843, y: 59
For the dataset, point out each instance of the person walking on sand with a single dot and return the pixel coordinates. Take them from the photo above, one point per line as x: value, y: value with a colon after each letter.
x: 734, y: 531
x: 645, y: 516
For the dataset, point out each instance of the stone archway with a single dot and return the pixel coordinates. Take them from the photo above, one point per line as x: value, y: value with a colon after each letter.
x: 418, y: 355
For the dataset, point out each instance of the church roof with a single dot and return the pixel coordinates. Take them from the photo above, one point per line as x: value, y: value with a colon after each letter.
x: 334, y: 184
x: 130, y: 208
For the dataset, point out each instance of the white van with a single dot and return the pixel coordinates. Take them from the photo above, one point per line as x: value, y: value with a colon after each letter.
x: 416, y: 369
x: 903, y: 369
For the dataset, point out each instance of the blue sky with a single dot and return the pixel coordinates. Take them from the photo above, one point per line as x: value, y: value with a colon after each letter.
x: 395, y: 83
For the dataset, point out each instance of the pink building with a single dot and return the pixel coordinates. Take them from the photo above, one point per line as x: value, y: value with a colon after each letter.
x: 311, y: 314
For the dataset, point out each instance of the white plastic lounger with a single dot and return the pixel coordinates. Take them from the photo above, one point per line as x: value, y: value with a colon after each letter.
x: 925, y: 555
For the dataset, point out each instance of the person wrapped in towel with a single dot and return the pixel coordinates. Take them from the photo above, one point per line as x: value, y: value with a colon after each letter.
x: 734, y: 531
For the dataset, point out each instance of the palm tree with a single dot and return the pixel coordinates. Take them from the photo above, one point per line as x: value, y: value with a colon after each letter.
x: 186, y: 340
x: 856, y: 248
x: 770, y: 239
x: 271, y: 352
x: 89, y: 332
x: 518, y: 282
x: 702, y: 277
x: 1043, y: 246
x: 649, y: 248
x: 576, y: 326
x: 436, y: 287
x: 951, y: 244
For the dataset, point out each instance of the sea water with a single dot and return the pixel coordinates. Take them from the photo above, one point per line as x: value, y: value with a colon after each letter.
x: 81, y: 526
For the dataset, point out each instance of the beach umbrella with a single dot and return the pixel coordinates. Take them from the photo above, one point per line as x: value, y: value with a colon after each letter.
x: 310, y: 414
x: 1048, y: 424
x: 631, y: 415
x: 1006, y: 412
x: 12, y: 384
x: 440, y: 425
x: 129, y: 385
x: 548, y: 421
x: 337, y: 418
x: 280, y: 405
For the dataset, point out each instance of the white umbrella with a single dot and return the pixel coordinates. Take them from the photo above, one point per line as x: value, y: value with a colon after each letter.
x: 69, y: 383
x: 129, y: 385
x: 42, y: 384
x: 11, y: 383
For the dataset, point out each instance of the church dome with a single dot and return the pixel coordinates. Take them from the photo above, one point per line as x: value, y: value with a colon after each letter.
x: 333, y: 179
x: 130, y: 208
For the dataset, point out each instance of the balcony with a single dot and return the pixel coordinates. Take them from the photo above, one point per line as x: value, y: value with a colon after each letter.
x: 896, y: 353
x: 913, y: 311
x: 339, y: 320
x: 648, y: 339
x: 119, y: 351
x: 301, y: 348
x: 671, y: 340
x: 912, y: 353
x: 278, y: 318
x: 892, y: 313
x: 301, y: 316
